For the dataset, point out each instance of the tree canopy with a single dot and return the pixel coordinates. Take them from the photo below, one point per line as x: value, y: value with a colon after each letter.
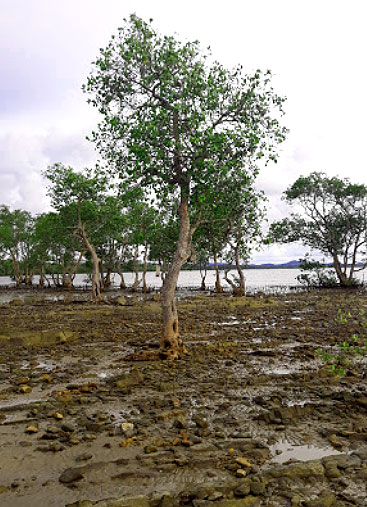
x: 179, y: 124
x: 334, y: 220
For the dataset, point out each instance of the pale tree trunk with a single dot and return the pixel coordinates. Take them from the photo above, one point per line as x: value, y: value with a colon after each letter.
x: 238, y: 287
x: 163, y: 271
x: 241, y: 289
x: 171, y: 344
x: 102, y: 275
x: 41, y: 282
x: 107, y: 279
x: 341, y: 276
x: 69, y: 273
x: 96, y: 275
x: 145, y: 288
x: 218, y: 285
x: 28, y: 275
x: 203, y: 276
x: 136, y: 283
x: 16, y: 269
x: 121, y: 275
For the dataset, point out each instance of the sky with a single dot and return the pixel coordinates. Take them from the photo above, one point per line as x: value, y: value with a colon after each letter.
x: 315, y: 50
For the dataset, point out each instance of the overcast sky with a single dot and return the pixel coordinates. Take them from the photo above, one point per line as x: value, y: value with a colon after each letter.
x: 315, y: 49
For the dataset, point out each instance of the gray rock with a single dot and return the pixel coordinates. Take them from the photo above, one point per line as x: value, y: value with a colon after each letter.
x: 70, y: 475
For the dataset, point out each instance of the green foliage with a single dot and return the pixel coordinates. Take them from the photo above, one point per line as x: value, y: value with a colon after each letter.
x: 339, y: 362
x: 176, y: 123
x: 334, y: 221
x: 316, y: 274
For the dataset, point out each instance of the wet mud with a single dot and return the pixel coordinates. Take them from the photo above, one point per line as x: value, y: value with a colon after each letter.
x: 250, y: 417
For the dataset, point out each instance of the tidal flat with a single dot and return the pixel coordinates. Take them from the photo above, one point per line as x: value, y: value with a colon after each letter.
x: 250, y: 417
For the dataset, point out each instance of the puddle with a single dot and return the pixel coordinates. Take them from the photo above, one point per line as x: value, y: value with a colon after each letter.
x: 301, y: 403
x: 299, y: 452
x: 233, y: 321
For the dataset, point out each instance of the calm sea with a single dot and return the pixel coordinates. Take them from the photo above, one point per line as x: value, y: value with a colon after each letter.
x: 256, y: 279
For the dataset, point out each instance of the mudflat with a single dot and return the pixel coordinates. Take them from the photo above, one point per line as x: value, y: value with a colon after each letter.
x: 251, y: 416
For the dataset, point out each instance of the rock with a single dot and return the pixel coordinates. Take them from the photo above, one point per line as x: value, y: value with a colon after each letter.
x: 243, y: 489
x: 80, y: 503
x: 243, y: 462
x: 43, y: 338
x: 127, y: 429
x: 180, y: 422
x: 298, y: 470
x: 248, y: 501
x: 257, y: 487
x: 149, y: 449
x: 241, y: 473
x: 84, y: 457
x: 126, y: 501
x: 165, y: 387
x: 200, y: 422
x: 130, y: 379
x: 31, y: 429
x: 325, y: 500
x: 25, y: 389
x: 16, y: 302
x: 58, y: 415
x: 70, y: 475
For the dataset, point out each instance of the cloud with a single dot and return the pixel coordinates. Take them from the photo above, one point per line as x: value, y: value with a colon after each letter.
x: 23, y: 156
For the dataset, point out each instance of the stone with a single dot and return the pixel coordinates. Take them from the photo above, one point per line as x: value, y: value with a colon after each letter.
x: 70, y: 475
x: 126, y: 501
x: 243, y: 462
x: 257, y: 487
x: 25, y: 389
x: 149, y: 449
x: 31, y: 429
x: 130, y: 379
x: 180, y: 421
x: 200, y: 422
x: 127, y: 429
x: 243, y: 489
x: 324, y: 500
x: 121, y: 300
x: 248, y: 501
x: 84, y: 457
x: 312, y: 468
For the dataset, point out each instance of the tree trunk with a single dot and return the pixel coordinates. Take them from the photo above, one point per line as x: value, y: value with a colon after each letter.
x: 338, y: 269
x: 241, y: 289
x: 41, y: 282
x: 96, y: 275
x: 145, y: 288
x: 218, y: 285
x: 136, y: 283
x: 171, y: 344
x: 203, y: 276
x: 16, y: 270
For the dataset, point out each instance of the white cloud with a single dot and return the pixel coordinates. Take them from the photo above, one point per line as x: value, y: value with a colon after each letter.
x: 315, y: 49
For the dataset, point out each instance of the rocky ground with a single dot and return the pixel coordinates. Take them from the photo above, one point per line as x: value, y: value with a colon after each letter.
x: 251, y: 417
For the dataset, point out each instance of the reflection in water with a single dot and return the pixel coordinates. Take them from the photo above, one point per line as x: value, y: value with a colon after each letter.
x: 284, y: 451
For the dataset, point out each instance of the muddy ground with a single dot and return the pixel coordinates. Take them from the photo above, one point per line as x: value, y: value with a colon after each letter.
x: 251, y: 417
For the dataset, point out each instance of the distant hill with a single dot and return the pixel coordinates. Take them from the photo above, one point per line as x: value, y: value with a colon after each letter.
x: 290, y: 264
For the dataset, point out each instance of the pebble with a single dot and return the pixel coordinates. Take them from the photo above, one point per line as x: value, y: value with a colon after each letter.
x: 31, y: 429
x: 70, y: 475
